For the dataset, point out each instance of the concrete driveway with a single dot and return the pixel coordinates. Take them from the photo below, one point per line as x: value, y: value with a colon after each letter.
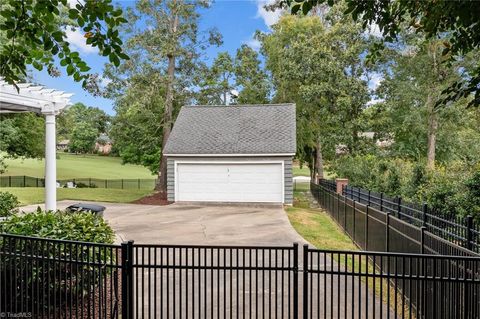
x: 198, y: 224
x: 183, y: 224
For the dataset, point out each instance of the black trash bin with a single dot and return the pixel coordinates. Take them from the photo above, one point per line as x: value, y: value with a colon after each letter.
x: 85, y: 207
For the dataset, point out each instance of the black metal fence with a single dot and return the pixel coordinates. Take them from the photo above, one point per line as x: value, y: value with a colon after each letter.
x: 42, y: 278
x: 122, y: 183
x: 458, y: 230
x: 215, y: 282
x: 340, y: 284
x: 381, y: 230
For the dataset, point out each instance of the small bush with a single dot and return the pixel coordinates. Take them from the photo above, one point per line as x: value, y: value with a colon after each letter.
x: 8, y: 204
x: 84, y: 185
x: 68, y: 272
x: 80, y: 226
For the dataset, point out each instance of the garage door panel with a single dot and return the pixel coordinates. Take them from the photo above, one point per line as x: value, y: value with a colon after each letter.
x: 229, y: 182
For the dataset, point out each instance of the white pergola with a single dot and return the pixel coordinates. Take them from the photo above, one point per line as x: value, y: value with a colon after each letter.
x: 41, y: 100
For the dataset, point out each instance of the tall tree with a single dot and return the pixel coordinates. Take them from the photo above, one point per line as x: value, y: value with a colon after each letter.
x: 216, y: 82
x: 250, y: 78
x: 83, y: 137
x: 316, y: 63
x: 415, y: 76
x: 164, y: 44
x: 222, y: 70
x: 22, y: 135
x: 80, y: 113
x: 458, y: 19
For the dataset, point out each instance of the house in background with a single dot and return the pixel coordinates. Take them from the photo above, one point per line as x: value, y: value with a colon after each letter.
x: 63, y: 145
x: 103, y: 145
x: 240, y: 153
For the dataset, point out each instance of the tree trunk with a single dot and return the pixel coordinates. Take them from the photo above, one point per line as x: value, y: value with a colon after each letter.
x: 432, y: 116
x: 319, y: 160
x: 432, y: 133
x: 167, y: 116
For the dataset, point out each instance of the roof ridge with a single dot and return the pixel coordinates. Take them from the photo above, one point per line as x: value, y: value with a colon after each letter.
x: 239, y: 105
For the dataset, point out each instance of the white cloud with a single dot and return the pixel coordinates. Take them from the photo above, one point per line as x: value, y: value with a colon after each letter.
x: 375, y: 101
x: 73, y: 3
x: 375, y: 80
x: 374, y: 30
x: 269, y: 17
x: 78, y: 41
x: 253, y: 43
x: 105, y: 81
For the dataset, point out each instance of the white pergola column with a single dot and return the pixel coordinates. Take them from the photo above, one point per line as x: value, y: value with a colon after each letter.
x: 50, y: 162
x: 26, y: 97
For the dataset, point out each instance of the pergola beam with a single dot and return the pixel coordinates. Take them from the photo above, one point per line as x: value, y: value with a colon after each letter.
x: 49, y: 102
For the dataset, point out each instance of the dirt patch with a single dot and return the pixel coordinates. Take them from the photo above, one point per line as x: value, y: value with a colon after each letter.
x: 158, y: 198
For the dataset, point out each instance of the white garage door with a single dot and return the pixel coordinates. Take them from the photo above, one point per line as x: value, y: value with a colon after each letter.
x: 218, y: 182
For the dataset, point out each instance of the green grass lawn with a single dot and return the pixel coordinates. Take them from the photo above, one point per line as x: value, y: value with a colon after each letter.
x: 297, y: 171
x: 32, y: 195
x: 318, y: 228
x: 315, y: 225
x: 79, y: 166
x: 304, y: 171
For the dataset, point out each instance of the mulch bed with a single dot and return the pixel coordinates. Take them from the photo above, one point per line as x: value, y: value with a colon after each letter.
x: 158, y: 198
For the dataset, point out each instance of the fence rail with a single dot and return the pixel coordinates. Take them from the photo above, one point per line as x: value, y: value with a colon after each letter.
x: 42, y: 278
x: 122, y: 183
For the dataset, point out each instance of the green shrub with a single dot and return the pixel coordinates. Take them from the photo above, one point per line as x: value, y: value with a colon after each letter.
x: 448, y: 190
x: 80, y: 226
x: 84, y: 185
x: 68, y: 272
x: 8, y: 204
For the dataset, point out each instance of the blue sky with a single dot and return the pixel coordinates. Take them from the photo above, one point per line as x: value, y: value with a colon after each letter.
x: 236, y: 20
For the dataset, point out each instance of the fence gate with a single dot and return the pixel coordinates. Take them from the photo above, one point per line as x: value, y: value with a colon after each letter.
x: 171, y: 281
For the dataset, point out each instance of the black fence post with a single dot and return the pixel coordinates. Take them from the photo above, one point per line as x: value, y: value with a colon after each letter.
x: 424, y: 214
x: 369, y: 195
x: 305, y: 281
x: 338, y: 206
x: 127, y: 280
x: 366, y: 224
x: 139, y: 183
x: 399, y: 208
x: 24, y: 181
x: 469, y: 232
x: 381, y: 202
x: 9, y: 181
x: 354, y: 217
x: 106, y: 183
x: 422, y: 239
x: 122, y: 183
x: 387, y: 233
x: 295, y: 280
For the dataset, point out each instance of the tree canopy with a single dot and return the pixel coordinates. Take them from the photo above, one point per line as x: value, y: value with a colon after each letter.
x: 456, y: 22
x: 316, y: 63
x: 34, y: 33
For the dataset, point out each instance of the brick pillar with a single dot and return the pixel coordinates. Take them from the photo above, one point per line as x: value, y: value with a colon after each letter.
x: 341, y: 182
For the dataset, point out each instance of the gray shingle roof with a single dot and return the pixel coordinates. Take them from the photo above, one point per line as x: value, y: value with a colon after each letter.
x: 239, y: 129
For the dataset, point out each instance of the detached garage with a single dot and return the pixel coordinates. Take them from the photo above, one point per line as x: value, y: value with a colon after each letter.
x: 240, y: 153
